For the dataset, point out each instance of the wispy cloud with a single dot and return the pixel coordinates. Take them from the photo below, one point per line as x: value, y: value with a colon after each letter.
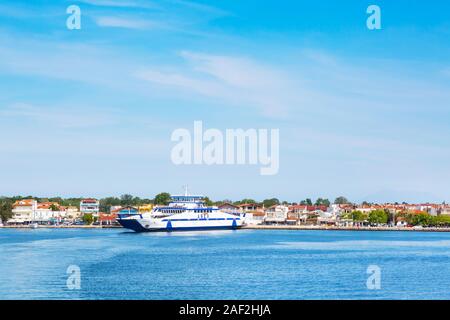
x: 61, y: 117
x: 120, y: 3
x: 236, y: 80
x: 127, y: 23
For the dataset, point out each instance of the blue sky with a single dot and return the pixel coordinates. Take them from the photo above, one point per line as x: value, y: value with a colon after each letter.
x: 361, y: 113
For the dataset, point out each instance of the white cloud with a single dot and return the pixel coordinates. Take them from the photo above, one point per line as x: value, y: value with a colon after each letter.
x: 127, y: 23
x: 236, y: 80
x: 60, y: 117
x: 120, y: 3
x: 235, y: 71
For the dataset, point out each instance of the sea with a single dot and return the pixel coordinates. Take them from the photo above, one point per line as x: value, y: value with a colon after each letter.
x: 235, y: 264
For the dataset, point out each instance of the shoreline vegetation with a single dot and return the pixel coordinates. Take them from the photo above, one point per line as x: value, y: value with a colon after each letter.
x: 272, y: 213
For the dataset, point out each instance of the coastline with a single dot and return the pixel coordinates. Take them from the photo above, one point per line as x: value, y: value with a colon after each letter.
x: 60, y: 227
x: 254, y: 227
x: 334, y: 228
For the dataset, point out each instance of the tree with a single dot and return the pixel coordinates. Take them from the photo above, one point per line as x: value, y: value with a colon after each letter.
x: 107, y: 203
x: 341, y: 200
x: 420, y: 219
x: 54, y: 207
x: 162, y: 198
x: 208, y: 202
x: 270, y: 202
x: 246, y: 200
x: 442, y: 220
x: 378, y: 217
x: 5, y: 210
x: 88, y: 218
x: 126, y: 200
x: 322, y: 202
x: 357, y: 215
x: 55, y: 199
x: 306, y: 202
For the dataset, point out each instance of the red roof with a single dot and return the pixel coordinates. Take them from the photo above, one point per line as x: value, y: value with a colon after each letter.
x: 23, y: 203
x: 107, y: 217
x: 90, y: 200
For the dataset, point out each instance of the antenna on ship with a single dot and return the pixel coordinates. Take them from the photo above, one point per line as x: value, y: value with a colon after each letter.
x: 185, y: 190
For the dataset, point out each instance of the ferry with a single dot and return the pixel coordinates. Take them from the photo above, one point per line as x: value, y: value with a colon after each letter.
x: 184, y: 212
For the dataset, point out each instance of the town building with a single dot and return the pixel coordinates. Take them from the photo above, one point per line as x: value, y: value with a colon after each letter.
x: 229, y: 207
x: 107, y: 219
x: 276, y: 214
x: 246, y: 207
x: 114, y: 209
x: 145, y: 208
x: 23, y: 211
x: 90, y: 206
x: 254, y: 217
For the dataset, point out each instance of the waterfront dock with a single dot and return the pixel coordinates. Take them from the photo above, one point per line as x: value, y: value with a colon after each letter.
x: 343, y: 228
x: 254, y: 227
x: 62, y: 226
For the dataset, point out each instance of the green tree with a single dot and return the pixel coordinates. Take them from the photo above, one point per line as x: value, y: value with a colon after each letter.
x: 306, y: 202
x: 54, y: 207
x: 270, y: 202
x: 126, y: 200
x: 162, y: 198
x: 88, y: 218
x: 208, y: 202
x: 55, y: 199
x: 341, y: 200
x: 322, y: 202
x: 358, y: 216
x: 246, y: 200
x: 442, y: 221
x: 420, y: 219
x: 5, y: 210
x: 378, y: 217
x: 107, y: 203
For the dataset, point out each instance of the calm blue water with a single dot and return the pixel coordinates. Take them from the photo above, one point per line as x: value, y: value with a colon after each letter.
x: 243, y: 264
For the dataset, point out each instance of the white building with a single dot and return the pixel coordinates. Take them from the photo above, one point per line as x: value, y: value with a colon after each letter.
x: 90, y: 206
x: 72, y: 212
x: 46, y: 213
x: 23, y: 211
x: 335, y: 209
x: 276, y: 214
x: 326, y: 217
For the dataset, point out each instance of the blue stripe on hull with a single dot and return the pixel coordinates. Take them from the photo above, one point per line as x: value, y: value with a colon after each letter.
x: 199, y: 228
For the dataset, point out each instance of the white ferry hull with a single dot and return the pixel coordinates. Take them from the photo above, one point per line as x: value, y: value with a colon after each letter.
x: 179, y: 224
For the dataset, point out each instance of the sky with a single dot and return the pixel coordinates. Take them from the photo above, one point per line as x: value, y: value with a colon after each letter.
x: 361, y: 113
